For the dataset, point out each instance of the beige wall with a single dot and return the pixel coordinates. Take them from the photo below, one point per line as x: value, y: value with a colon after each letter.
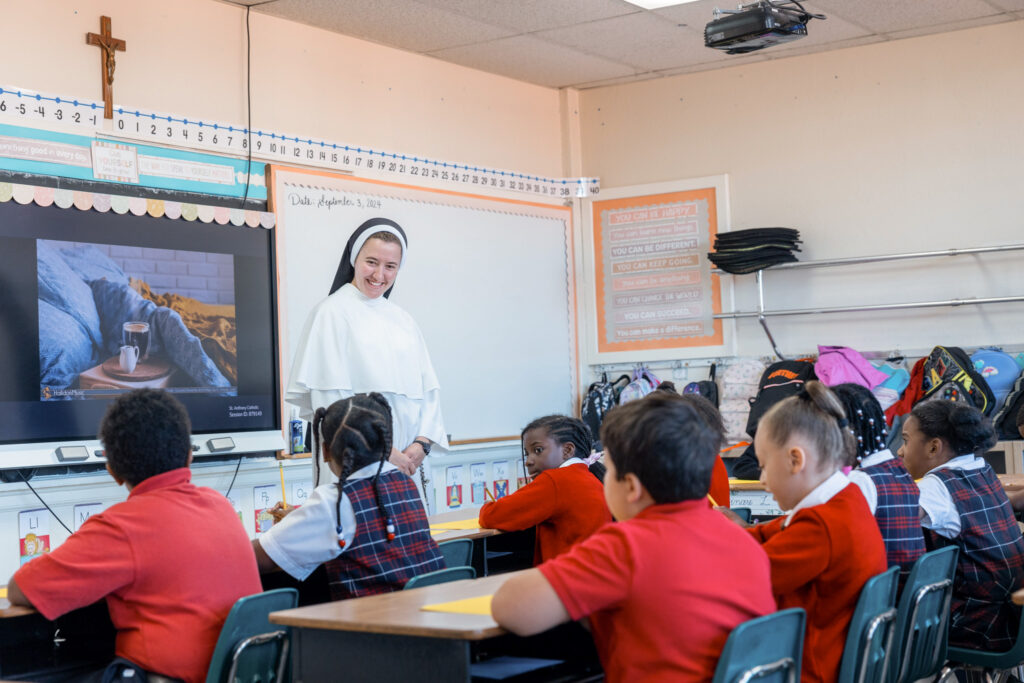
x: 905, y: 146
x: 188, y: 57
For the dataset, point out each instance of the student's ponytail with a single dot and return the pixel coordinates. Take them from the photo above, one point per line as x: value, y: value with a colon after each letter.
x: 964, y: 428
x: 816, y: 414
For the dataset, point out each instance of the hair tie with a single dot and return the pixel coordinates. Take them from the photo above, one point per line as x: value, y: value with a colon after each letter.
x: 843, y: 422
x: 593, y: 457
x: 804, y: 394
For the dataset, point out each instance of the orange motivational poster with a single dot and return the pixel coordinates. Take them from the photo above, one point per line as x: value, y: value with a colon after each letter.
x: 653, y: 280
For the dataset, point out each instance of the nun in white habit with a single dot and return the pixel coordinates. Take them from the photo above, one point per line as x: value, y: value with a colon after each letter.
x: 357, y: 341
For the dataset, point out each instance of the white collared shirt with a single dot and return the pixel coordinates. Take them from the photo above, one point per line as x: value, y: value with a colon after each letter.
x: 822, y: 493
x: 308, y: 537
x: 938, y: 511
x: 863, y: 479
x: 572, y: 461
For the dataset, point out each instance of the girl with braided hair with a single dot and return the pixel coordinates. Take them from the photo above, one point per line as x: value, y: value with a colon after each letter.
x: 892, y: 495
x: 369, y: 527
x: 565, y: 497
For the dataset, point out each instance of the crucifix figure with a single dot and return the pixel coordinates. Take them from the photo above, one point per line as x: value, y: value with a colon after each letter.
x: 107, y: 45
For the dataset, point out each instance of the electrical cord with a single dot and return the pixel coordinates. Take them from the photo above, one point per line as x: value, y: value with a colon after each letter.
x: 232, y: 484
x: 248, y: 107
x: 30, y: 488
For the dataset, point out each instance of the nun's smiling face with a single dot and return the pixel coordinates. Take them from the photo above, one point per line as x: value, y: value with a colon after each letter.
x: 377, y: 267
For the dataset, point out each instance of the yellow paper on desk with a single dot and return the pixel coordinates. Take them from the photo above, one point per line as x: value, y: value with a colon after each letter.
x: 479, y: 605
x: 3, y: 592
x: 457, y: 525
x: 744, y: 481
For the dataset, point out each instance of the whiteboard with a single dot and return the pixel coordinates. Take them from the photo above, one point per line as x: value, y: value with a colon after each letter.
x: 489, y: 281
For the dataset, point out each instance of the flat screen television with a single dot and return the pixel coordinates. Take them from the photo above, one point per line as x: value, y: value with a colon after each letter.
x: 96, y: 304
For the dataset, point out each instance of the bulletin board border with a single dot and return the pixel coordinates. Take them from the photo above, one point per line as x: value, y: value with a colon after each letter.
x: 722, y: 342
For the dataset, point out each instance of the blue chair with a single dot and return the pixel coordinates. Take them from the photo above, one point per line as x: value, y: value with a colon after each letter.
x: 868, y: 642
x: 457, y: 553
x: 441, y: 576
x: 768, y: 649
x: 996, y: 666
x: 922, y: 620
x: 250, y: 649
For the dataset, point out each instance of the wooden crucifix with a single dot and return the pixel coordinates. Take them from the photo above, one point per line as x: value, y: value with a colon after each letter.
x: 108, y: 45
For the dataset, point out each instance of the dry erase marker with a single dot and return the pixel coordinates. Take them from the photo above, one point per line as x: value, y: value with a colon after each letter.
x: 284, y: 500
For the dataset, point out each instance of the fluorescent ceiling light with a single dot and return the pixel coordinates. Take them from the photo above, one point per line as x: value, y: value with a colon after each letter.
x: 657, y: 4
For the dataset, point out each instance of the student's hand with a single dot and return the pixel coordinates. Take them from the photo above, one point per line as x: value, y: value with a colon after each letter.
x: 402, y: 461
x: 733, y: 516
x: 280, y: 511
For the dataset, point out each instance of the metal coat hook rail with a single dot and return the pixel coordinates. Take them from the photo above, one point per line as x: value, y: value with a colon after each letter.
x: 761, y: 313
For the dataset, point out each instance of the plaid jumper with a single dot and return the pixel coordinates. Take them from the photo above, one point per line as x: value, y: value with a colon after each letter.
x: 897, y: 513
x: 372, y: 564
x: 991, y: 562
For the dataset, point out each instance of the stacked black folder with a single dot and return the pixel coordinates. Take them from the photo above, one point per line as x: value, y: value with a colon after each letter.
x: 747, y: 251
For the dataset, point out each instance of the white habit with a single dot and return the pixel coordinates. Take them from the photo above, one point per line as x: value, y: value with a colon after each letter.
x: 352, y: 344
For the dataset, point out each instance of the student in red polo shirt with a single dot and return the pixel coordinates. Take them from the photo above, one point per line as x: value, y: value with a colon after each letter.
x: 828, y: 544
x: 170, y: 561
x: 564, y: 500
x: 664, y: 586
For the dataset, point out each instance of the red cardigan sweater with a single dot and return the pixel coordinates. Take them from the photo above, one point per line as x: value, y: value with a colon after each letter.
x: 820, y: 562
x: 566, y: 505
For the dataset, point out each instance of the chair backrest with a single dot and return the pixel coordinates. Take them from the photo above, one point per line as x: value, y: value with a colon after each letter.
x: 744, y: 513
x: 456, y: 553
x: 922, y: 618
x: 767, y: 649
x: 441, y: 576
x: 250, y: 648
x: 869, y: 639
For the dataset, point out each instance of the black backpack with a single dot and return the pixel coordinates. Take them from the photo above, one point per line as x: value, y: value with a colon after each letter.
x: 778, y: 381
x: 601, y: 397
x: 706, y: 388
x: 1005, y: 420
x: 949, y: 374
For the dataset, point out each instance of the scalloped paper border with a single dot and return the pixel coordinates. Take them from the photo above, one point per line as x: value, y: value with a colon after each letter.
x: 139, y: 206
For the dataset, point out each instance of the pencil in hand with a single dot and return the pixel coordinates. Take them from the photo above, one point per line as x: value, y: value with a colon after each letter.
x: 488, y: 494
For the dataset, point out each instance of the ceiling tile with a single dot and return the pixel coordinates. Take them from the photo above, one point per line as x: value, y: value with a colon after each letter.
x: 954, y: 26
x: 527, y: 16
x: 654, y: 42
x: 536, y: 61
x: 889, y: 16
x: 619, y: 81
x: 405, y: 25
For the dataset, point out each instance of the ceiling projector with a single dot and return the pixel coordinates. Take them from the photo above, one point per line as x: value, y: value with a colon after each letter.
x: 757, y: 25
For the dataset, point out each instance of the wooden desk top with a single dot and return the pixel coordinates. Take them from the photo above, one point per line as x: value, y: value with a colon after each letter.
x: 1018, y: 597
x: 399, y: 613
x: 1012, y: 482
x: 7, y: 610
x: 745, y: 485
x: 457, y: 516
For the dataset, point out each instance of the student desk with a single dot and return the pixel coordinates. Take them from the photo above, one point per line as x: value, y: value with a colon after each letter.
x: 508, y: 550
x: 751, y: 494
x: 388, y: 637
x: 459, y: 516
x: 32, y: 647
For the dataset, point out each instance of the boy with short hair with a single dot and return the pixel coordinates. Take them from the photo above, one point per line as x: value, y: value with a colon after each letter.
x: 666, y: 585
x: 170, y: 561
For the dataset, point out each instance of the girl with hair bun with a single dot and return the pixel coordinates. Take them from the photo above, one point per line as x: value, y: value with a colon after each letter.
x: 963, y: 504
x: 827, y: 545
x: 369, y: 526
x: 888, y: 488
